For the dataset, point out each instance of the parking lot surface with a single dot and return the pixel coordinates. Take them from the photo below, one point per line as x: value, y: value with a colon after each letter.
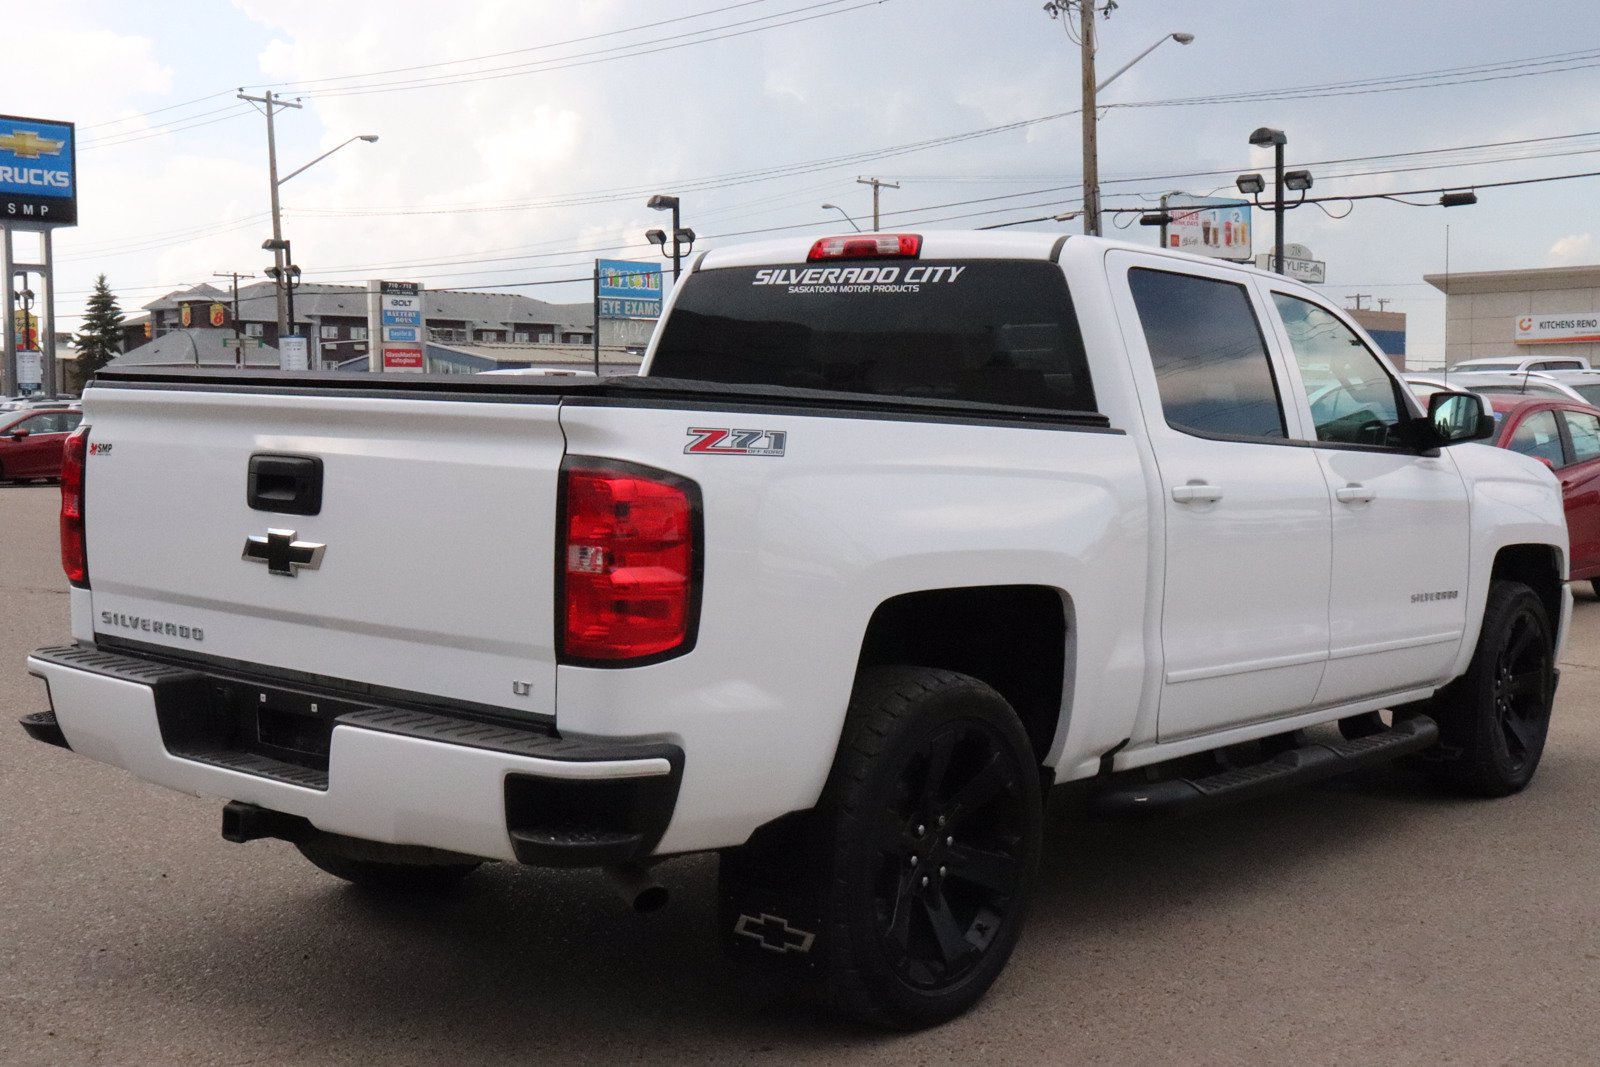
x: 1368, y: 920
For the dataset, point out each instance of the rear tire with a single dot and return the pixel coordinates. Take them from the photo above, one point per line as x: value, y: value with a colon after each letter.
x: 934, y: 816
x: 1494, y: 719
x: 360, y: 862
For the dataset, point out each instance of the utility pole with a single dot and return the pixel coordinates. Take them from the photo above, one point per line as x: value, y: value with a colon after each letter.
x: 1384, y: 302
x: 238, y: 345
x: 1358, y: 297
x: 273, y: 102
x: 876, y: 184
x: 1091, y: 150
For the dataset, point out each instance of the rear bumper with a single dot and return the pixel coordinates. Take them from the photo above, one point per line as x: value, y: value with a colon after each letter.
x: 402, y: 776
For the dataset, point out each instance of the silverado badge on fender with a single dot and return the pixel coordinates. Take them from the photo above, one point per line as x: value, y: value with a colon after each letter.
x: 282, y: 553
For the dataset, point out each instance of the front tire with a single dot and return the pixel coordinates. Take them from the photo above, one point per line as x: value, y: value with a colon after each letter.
x: 935, y: 816
x: 385, y: 868
x: 1494, y: 719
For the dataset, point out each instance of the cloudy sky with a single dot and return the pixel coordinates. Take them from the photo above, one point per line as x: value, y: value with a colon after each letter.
x: 519, y: 139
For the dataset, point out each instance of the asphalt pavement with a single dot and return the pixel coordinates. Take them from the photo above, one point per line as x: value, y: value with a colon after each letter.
x: 1368, y: 920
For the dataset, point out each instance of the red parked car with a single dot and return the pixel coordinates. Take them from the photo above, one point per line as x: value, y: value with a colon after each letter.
x: 1565, y: 435
x: 30, y: 442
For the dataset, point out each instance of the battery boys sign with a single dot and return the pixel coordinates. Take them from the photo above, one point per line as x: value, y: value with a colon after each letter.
x: 37, y: 174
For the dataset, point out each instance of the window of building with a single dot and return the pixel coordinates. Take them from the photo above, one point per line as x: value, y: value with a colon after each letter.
x: 1211, y: 361
x: 521, y: 335
x: 253, y: 329
x: 329, y: 333
x: 358, y: 333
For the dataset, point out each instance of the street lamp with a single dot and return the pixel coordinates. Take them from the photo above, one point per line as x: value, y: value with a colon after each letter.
x: 287, y: 275
x: 680, y: 236
x: 273, y: 104
x: 1091, y: 156
x: 1251, y: 185
x: 842, y: 211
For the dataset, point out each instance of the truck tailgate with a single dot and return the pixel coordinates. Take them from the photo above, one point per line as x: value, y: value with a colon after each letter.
x: 437, y: 518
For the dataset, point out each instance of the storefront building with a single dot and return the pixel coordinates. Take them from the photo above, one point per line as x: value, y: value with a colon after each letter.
x: 1551, y: 311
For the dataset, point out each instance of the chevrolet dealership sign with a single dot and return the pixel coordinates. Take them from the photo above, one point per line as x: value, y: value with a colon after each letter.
x: 38, y: 180
x: 1569, y: 327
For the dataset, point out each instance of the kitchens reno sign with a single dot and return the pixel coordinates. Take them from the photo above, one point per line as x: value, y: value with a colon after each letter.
x: 1563, y: 327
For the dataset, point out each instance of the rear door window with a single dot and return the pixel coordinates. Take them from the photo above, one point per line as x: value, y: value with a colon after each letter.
x: 992, y: 331
x: 1585, y: 432
x: 1211, y: 362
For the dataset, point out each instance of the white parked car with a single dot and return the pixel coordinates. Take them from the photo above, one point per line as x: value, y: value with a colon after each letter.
x: 1519, y: 364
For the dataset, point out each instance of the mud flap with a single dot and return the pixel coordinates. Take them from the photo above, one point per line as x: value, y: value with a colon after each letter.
x: 772, y: 894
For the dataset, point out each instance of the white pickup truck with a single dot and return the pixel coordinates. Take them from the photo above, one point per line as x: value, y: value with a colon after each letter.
x: 893, y: 533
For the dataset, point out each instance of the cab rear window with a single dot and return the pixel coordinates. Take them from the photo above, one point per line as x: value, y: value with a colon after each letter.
x: 990, y: 331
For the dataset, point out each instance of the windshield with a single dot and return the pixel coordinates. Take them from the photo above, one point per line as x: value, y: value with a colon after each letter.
x: 992, y: 331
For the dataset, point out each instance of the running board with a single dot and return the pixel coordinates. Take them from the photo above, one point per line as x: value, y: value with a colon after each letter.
x: 1322, y: 759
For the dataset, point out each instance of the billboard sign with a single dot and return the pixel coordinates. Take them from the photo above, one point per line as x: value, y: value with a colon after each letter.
x: 626, y: 290
x: 38, y: 172
x: 1562, y: 327
x: 1208, y: 226
x: 396, y: 319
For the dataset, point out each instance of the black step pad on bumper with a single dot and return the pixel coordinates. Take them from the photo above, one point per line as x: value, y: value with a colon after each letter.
x: 1323, y: 759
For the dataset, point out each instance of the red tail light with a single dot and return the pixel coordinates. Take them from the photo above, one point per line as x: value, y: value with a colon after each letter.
x: 629, y: 563
x: 74, y: 556
x: 867, y: 246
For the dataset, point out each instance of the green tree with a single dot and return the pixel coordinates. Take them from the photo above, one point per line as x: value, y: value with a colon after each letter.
x: 100, y: 338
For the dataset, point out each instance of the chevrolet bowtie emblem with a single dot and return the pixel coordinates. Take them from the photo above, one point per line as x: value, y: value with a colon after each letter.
x: 29, y: 145
x: 282, y: 553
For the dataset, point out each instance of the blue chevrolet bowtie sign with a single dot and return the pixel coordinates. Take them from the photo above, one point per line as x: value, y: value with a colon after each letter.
x: 38, y: 183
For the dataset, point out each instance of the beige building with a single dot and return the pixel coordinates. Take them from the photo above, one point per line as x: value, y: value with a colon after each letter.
x: 1524, y: 314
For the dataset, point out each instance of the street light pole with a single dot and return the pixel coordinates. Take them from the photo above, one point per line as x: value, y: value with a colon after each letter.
x: 272, y: 103
x: 665, y: 202
x: 846, y: 214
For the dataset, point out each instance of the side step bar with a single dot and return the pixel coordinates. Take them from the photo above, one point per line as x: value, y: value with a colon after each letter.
x: 1322, y: 759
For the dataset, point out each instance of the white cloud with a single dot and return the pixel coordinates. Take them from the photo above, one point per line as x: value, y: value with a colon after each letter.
x: 1572, y: 246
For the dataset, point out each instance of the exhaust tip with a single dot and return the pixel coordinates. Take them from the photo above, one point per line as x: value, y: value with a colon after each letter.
x: 651, y: 899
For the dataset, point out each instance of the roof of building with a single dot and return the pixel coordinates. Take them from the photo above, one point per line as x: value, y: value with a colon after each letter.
x: 1516, y: 281
x: 317, y: 300
x: 194, y: 348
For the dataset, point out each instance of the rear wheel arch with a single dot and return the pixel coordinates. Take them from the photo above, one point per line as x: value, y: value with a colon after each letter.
x: 1018, y: 639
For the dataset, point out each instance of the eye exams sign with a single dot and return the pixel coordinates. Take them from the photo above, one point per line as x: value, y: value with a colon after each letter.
x: 803, y: 280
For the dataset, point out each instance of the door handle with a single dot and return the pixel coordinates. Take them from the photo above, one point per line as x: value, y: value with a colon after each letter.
x: 1355, y: 494
x: 1196, y: 492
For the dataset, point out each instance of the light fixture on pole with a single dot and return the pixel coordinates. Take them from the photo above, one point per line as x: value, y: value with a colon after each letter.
x: 1261, y: 138
x: 286, y: 276
x: 842, y: 211
x: 1060, y: 9
x: 665, y: 202
x: 1462, y: 199
x: 272, y: 105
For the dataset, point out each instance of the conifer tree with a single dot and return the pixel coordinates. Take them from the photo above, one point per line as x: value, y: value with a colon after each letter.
x: 100, y: 338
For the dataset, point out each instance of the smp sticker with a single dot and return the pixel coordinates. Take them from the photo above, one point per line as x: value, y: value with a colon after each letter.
x: 99, y: 448
x: 716, y: 441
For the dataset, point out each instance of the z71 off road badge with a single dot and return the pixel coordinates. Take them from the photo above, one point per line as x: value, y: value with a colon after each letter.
x: 716, y: 441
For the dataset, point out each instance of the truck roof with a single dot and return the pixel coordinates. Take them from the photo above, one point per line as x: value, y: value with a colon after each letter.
x: 938, y: 244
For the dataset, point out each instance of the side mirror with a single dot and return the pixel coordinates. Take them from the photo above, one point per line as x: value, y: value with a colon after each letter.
x: 1457, y: 417
x: 19, y: 434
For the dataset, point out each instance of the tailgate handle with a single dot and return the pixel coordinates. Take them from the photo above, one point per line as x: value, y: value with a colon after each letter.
x: 289, y: 485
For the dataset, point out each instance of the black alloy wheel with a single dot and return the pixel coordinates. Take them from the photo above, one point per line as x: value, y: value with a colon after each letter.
x: 1522, y: 690
x: 938, y: 819
x: 951, y: 851
x: 1493, y: 720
